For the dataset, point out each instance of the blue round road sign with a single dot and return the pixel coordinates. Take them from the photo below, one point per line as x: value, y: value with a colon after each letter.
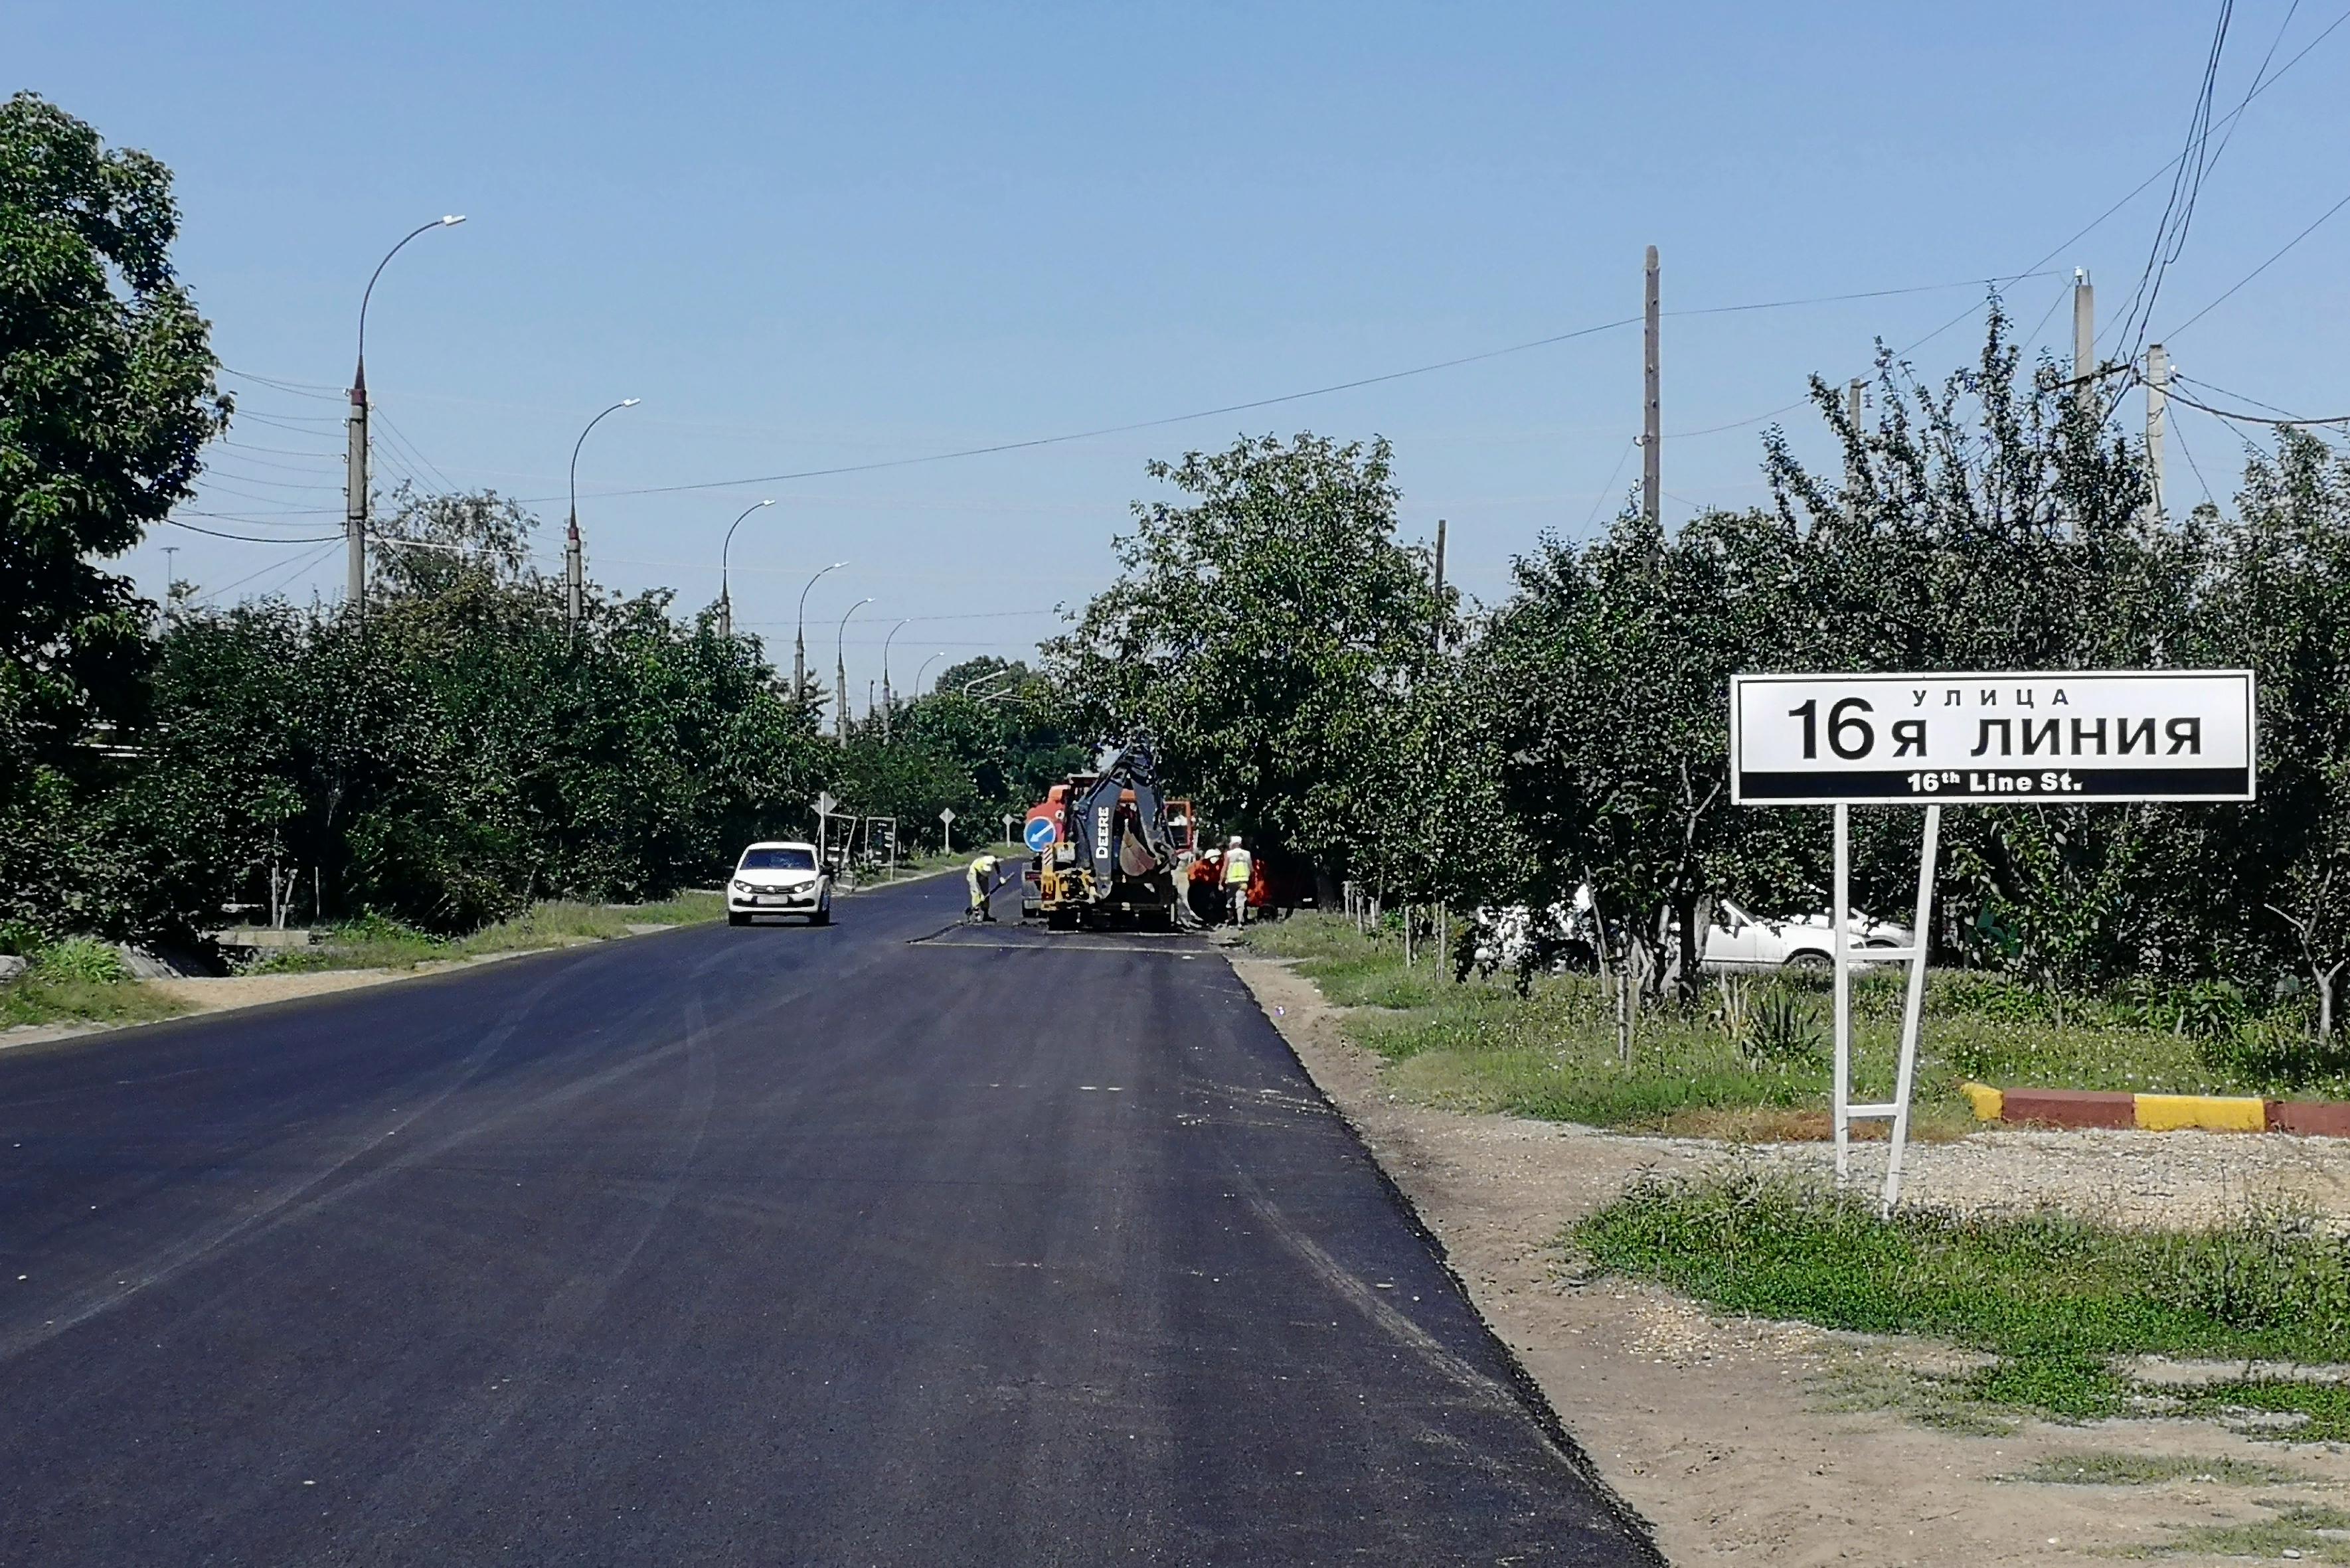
x: 1041, y: 833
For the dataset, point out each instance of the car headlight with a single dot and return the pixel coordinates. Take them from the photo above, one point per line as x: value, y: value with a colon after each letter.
x: 741, y: 885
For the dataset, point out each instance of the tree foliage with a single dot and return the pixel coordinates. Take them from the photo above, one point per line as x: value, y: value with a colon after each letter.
x: 1267, y: 633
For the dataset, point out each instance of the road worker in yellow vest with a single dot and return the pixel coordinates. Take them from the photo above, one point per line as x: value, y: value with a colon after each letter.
x: 1238, y: 864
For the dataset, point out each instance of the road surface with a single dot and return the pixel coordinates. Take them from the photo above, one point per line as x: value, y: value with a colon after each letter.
x: 765, y: 1246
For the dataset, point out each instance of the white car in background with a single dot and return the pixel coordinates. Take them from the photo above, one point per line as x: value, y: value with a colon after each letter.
x: 779, y: 877
x: 1738, y: 941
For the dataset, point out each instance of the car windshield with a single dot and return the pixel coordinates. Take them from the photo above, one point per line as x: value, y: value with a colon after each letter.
x: 777, y: 860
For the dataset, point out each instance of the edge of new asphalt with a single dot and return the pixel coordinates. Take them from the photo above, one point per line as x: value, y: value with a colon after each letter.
x: 1637, y: 1532
x: 1529, y: 1393
x: 74, y: 1033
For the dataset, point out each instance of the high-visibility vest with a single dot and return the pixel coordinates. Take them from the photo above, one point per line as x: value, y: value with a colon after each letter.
x: 1238, y: 863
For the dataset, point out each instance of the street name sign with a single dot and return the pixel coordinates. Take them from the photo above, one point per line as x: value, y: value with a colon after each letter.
x: 2104, y: 736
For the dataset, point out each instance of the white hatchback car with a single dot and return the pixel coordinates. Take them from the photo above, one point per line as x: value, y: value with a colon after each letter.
x: 1738, y: 940
x: 779, y: 878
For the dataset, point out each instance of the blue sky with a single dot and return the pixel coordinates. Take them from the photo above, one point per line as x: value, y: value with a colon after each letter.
x: 813, y: 236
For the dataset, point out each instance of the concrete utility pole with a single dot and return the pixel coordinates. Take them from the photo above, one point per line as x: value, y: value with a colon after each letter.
x: 840, y: 672
x: 2084, y: 340
x: 2158, y: 402
x: 1439, y: 585
x: 1852, y: 468
x: 799, y: 636
x: 726, y: 599
x: 888, y: 698
x: 355, y: 495
x: 355, y: 455
x: 1652, y: 429
x: 575, y: 564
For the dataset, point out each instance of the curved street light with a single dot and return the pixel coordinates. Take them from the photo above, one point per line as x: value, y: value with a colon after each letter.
x: 888, y: 698
x: 355, y: 497
x: 971, y: 686
x: 725, y: 602
x: 574, y: 573
x: 925, y: 669
x: 799, y: 638
x: 841, y: 671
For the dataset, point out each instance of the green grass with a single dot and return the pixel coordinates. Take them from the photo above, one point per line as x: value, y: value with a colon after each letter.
x: 379, y: 943
x: 2101, y: 1468
x: 921, y: 862
x: 2055, y: 1299
x: 2296, y: 1528
x: 36, y: 999
x: 1479, y: 1046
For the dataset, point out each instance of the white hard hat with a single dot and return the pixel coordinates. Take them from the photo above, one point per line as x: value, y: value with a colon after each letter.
x: 1237, y: 841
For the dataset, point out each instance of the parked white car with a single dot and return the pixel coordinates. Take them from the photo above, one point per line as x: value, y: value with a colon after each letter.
x: 779, y: 877
x: 1738, y: 941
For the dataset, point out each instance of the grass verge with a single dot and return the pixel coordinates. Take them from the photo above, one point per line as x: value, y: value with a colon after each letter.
x: 2052, y: 1299
x: 1751, y: 1063
x: 36, y: 999
x: 379, y: 943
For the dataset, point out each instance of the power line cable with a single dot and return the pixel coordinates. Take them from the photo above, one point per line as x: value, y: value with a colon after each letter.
x: 250, y: 538
x: 1254, y: 403
x: 2256, y: 272
x: 1608, y: 489
x: 2185, y: 186
x: 2179, y: 428
x: 213, y: 594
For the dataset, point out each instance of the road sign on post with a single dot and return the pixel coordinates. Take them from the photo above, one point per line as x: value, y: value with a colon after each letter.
x: 1040, y: 834
x: 946, y: 824
x: 2083, y: 738
x: 1876, y: 740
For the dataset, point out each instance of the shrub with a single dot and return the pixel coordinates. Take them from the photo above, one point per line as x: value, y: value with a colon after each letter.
x: 80, y: 958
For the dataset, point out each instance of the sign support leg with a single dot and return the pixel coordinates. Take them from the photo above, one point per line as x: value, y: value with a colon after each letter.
x: 1913, y: 1006
x: 1841, y: 920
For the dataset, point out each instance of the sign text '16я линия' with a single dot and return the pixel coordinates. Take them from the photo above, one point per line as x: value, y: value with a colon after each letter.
x: 2109, y: 736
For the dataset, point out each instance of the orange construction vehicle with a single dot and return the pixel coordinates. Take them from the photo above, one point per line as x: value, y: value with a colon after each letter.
x: 1106, y: 847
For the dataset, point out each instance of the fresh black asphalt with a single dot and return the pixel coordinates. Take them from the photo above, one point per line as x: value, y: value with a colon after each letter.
x: 765, y: 1246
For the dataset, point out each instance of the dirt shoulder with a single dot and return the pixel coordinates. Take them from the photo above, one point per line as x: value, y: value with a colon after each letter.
x: 1767, y: 1442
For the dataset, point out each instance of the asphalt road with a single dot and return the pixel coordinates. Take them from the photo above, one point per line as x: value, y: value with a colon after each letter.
x: 765, y: 1246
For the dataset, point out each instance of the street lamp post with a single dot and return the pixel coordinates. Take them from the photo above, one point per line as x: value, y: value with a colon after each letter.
x: 574, y: 575
x: 799, y: 639
x: 355, y: 457
x: 925, y: 669
x: 840, y: 671
x: 889, y: 699
x: 725, y: 601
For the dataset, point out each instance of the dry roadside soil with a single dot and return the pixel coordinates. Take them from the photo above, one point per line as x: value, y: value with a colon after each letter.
x: 1754, y: 1442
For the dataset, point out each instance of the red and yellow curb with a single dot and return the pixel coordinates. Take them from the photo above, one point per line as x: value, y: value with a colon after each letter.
x: 2157, y: 1113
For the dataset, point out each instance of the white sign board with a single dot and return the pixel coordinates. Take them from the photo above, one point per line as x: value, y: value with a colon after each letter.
x: 1866, y: 740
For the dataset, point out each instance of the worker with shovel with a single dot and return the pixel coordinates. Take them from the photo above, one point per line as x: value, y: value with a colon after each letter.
x: 982, y: 880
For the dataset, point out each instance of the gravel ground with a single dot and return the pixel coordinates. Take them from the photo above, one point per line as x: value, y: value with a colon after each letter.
x: 2168, y: 1178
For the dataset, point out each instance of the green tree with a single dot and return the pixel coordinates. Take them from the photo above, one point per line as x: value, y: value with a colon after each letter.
x: 107, y: 395
x: 1267, y: 635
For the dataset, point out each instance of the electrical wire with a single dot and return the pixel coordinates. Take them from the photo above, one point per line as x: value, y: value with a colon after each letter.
x: 2185, y: 186
x: 250, y: 538
x: 2181, y: 396
x: 1606, y: 489
x: 2179, y: 428
x: 2256, y: 272
x: 274, y: 566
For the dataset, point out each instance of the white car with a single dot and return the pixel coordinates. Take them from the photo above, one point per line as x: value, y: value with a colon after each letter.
x: 779, y: 877
x: 1738, y: 941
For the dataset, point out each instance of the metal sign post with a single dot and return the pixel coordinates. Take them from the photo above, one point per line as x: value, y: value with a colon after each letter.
x: 946, y: 825
x: 2065, y: 739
